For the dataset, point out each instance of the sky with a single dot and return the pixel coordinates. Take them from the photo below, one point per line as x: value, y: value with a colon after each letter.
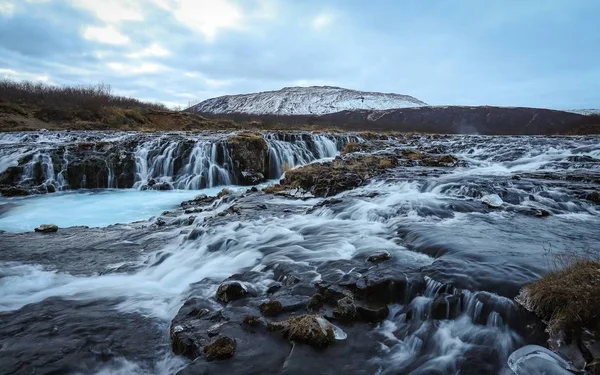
x: 536, y: 53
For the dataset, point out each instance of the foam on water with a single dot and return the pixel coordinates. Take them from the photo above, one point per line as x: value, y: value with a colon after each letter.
x: 90, y: 208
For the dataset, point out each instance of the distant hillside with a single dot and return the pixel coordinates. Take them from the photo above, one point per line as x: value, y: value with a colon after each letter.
x: 314, y: 100
x: 450, y: 119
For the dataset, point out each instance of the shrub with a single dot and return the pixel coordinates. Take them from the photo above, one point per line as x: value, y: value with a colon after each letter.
x: 566, y: 298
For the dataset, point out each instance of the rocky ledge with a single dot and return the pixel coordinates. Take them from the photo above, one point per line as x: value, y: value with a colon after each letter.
x: 353, y: 168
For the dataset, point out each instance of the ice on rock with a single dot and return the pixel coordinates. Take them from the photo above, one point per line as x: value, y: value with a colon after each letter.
x: 492, y: 200
x: 537, y: 360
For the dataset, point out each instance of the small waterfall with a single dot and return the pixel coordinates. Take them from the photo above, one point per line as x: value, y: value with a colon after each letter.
x: 183, y: 165
x: 61, y: 178
x: 208, y: 165
x: 291, y: 150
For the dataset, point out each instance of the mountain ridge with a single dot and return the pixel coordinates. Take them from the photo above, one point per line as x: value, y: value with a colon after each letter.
x: 310, y: 100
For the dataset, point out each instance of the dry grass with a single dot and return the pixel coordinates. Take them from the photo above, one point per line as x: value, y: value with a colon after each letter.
x: 92, y: 97
x: 306, y: 329
x: 351, y: 147
x: 566, y: 298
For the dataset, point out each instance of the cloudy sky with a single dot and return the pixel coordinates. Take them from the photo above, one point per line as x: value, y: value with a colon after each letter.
x: 508, y: 52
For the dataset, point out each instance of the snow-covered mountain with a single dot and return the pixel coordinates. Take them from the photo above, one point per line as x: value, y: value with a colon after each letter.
x: 585, y: 111
x: 314, y: 100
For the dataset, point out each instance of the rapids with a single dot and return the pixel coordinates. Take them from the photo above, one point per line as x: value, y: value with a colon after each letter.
x: 104, y: 298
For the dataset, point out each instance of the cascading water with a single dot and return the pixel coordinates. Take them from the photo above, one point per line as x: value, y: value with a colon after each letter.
x: 454, y: 266
x: 291, y: 150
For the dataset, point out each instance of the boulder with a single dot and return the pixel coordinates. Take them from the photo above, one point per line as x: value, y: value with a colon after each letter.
x: 593, y: 197
x: 47, y: 228
x: 309, y: 329
x: 379, y: 257
x: 250, y: 155
x: 346, y: 309
x: 221, y: 348
x: 271, y: 308
x: 230, y: 291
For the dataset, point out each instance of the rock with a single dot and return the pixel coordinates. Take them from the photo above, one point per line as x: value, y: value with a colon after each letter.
x: 271, y: 308
x: 379, y: 257
x: 492, y: 200
x: 12, y: 191
x: 47, y: 228
x: 250, y: 155
x: 309, y: 329
x: 538, y: 212
x: 316, y: 301
x: 252, y: 178
x: 221, y: 348
x: 251, y: 321
x: 593, y: 197
x: 333, y: 177
x: 446, y: 306
x: 372, y: 314
x: 346, y: 309
x: 230, y: 291
x: 224, y: 193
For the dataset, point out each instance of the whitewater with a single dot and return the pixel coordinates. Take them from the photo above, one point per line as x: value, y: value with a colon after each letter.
x: 103, y: 290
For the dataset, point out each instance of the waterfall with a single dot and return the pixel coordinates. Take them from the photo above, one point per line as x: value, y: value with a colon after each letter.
x: 291, y: 150
x: 183, y: 165
x: 169, y: 161
x: 203, y: 169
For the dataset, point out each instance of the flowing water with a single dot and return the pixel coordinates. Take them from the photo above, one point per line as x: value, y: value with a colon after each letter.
x: 101, y: 300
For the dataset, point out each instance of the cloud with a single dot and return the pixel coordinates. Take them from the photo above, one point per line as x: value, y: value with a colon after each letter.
x: 154, y: 49
x: 207, y: 16
x: 112, y: 10
x: 7, y: 8
x: 322, y: 20
x: 180, y: 50
x: 106, y: 34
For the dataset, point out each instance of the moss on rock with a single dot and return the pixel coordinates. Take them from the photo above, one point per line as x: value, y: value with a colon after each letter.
x: 309, y: 329
x: 221, y: 348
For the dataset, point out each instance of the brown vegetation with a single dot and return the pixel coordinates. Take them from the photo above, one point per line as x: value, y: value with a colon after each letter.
x: 567, y: 298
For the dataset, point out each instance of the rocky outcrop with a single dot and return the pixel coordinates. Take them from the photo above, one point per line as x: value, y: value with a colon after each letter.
x: 250, y: 157
x: 47, y: 228
x: 351, y: 170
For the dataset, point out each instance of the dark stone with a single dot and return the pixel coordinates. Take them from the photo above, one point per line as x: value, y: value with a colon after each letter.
x: 316, y: 301
x: 47, y: 228
x: 379, y: 257
x: 230, y: 291
x: 271, y: 308
x: 593, y: 197
x: 346, y: 309
x: 446, y: 306
x: 372, y: 314
x: 221, y: 348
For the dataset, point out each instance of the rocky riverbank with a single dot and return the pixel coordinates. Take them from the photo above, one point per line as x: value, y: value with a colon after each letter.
x: 388, y: 258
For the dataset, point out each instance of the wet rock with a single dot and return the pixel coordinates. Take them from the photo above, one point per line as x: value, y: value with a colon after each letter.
x: 250, y: 155
x: 593, y: 197
x: 230, y: 291
x: 221, y: 348
x: 273, y: 288
x: 346, y: 309
x: 446, y: 306
x: 333, y: 177
x: 251, y: 178
x: 12, y: 191
x: 316, y: 301
x: 379, y: 257
x: 271, y: 308
x: 251, y: 321
x: 372, y: 313
x: 309, y: 329
x: 47, y: 228
x: 492, y: 200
